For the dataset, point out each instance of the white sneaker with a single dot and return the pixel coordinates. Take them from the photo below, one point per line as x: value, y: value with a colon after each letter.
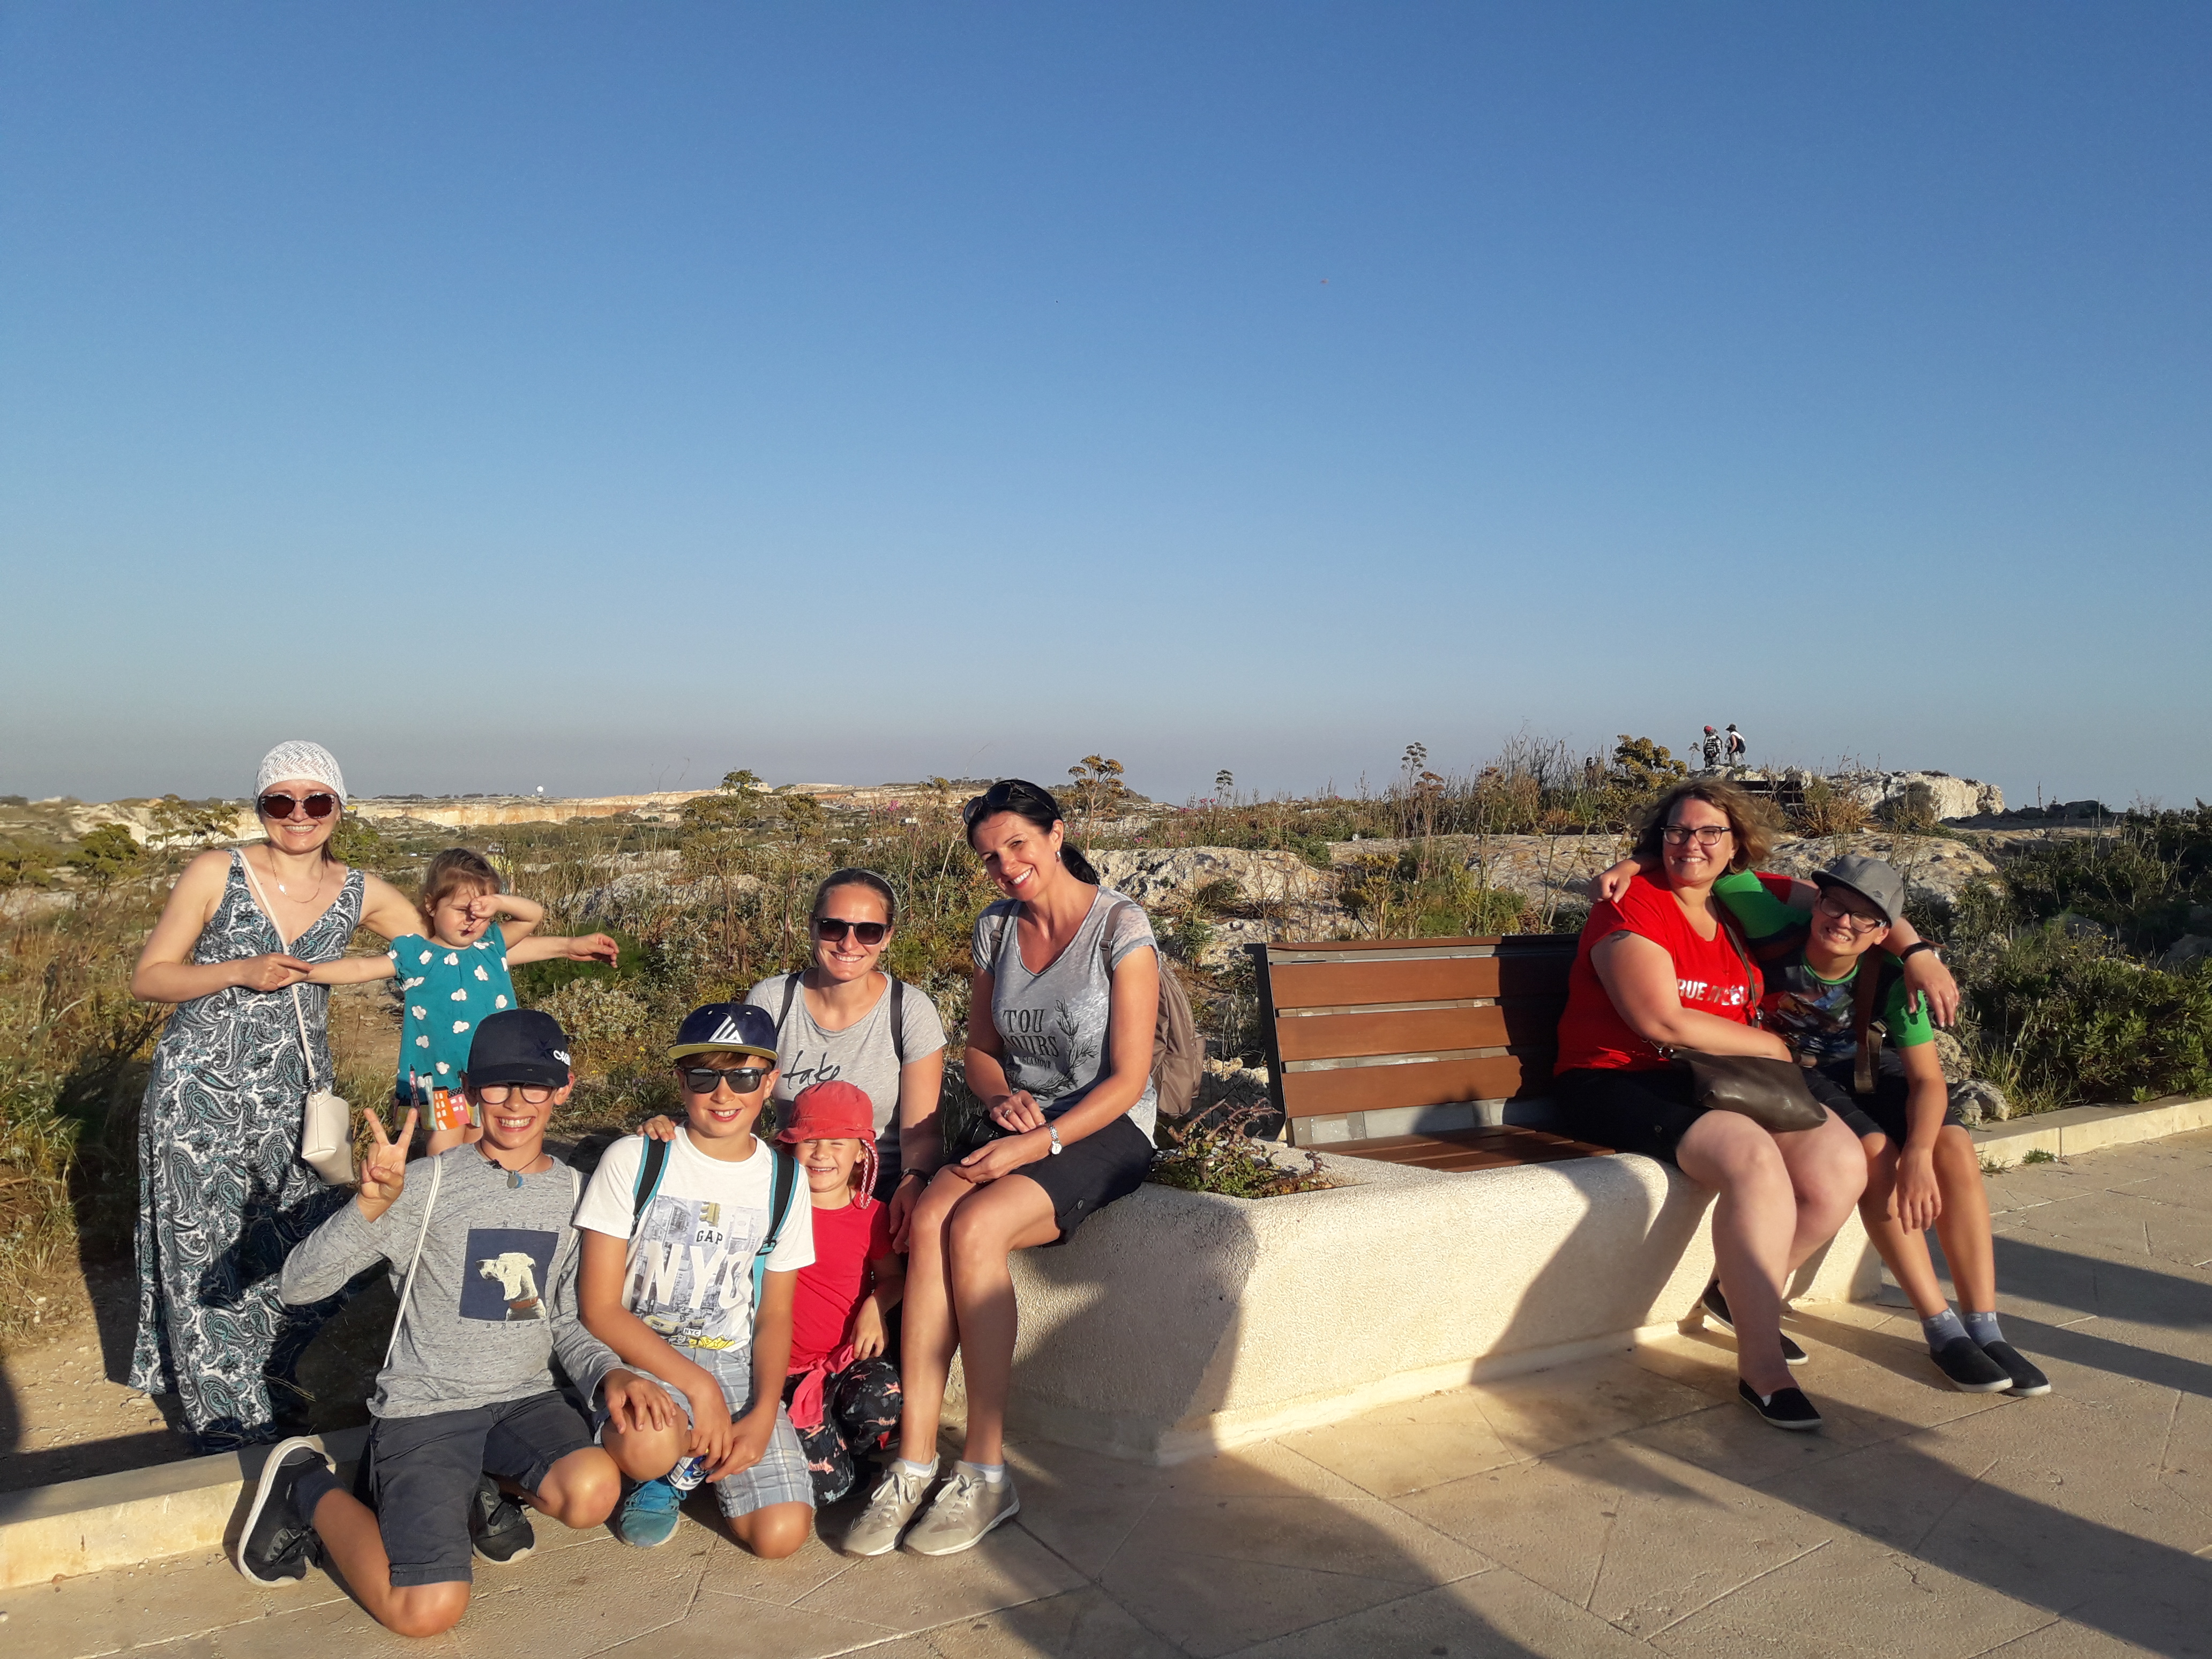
x: 966, y: 1507
x: 877, y: 1532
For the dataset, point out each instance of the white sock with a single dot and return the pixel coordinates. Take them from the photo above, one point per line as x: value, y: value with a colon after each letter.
x: 1982, y: 1328
x: 906, y: 1466
x: 993, y: 1474
x: 1943, y: 1328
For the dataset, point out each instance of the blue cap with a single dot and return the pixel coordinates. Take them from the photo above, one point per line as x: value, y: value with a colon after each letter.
x: 519, y: 1045
x: 720, y: 1027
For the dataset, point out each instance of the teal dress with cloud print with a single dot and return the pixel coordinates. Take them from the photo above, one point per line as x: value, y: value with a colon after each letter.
x: 448, y: 990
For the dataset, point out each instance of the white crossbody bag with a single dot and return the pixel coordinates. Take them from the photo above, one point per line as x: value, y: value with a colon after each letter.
x: 325, y: 1120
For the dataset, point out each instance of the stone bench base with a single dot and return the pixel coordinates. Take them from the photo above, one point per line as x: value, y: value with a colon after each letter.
x: 1178, y: 1324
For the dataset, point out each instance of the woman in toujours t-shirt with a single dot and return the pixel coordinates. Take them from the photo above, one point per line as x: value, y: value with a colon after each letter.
x: 835, y: 1025
x: 1656, y: 970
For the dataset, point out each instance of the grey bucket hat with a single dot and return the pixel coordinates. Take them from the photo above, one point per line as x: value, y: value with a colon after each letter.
x: 1872, y: 879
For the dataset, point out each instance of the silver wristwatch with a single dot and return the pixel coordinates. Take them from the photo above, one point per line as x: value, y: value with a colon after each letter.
x: 1053, y: 1129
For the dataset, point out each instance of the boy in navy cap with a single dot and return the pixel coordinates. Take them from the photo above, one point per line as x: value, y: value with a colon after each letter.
x: 691, y: 1250
x: 483, y: 1253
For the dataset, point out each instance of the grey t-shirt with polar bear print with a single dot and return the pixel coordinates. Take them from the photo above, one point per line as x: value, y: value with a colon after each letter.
x: 1054, y: 1026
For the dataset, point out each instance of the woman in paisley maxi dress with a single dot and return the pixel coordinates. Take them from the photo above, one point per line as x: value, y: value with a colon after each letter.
x: 223, y: 1194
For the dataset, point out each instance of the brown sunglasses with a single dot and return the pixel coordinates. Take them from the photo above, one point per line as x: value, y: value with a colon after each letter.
x: 277, y: 804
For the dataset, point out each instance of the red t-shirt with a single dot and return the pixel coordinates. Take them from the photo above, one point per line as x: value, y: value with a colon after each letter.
x: 1708, y: 971
x: 829, y: 1290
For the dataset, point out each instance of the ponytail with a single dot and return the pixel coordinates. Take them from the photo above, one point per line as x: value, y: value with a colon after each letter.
x: 1076, y: 864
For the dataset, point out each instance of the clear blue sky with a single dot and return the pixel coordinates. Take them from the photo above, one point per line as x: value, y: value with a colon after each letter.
x: 603, y: 397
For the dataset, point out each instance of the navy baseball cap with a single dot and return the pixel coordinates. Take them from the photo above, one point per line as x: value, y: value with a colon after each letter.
x: 519, y: 1045
x: 726, y: 1027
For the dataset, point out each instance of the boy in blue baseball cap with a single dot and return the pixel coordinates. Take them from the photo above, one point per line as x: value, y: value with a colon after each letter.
x: 691, y: 1250
x: 482, y: 1251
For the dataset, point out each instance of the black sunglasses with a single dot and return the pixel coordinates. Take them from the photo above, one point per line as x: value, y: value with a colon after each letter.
x: 704, y: 1079
x: 1001, y: 797
x: 277, y: 804
x: 834, y: 928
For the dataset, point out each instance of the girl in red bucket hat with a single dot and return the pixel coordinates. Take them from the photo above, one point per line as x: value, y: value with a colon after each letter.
x: 843, y: 1390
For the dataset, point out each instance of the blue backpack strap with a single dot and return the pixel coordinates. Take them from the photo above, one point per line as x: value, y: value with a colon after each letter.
x: 650, y: 1169
x: 786, y: 1182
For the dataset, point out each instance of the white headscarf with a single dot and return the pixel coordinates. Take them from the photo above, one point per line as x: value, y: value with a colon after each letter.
x: 301, y: 759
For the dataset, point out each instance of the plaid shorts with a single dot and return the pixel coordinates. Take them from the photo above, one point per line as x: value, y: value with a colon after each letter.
x: 781, y: 1476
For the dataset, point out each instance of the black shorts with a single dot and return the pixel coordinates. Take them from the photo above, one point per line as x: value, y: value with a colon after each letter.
x: 1881, y: 1113
x: 1647, y: 1111
x: 1087, y: 1175
x: 422, y: 1471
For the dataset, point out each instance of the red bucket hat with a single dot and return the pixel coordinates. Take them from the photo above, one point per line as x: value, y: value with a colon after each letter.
x: 836, y: 1111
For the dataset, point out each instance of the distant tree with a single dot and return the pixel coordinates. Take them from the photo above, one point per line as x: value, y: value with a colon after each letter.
x: 105, y: 854
x: 1415, y: 758
x: 1225, y: 783
x: 22, y: 865
x: 808, y: 818
x: 1646, y: 766
x: 741, y: 780
x: 179, y: 822
x: 1098, y: 784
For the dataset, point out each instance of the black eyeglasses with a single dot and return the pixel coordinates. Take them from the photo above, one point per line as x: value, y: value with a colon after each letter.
x: 277, y: 804
x: 704, y: 1079
x: 1828, y: 904
x: 497, y: 1094
x: 1001, y: 798
x: 1708, y: 835
x: 834, y: 929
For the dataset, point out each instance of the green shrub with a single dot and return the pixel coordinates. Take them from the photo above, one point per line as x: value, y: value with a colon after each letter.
x: 105, y: 854
x: 2059, y: 1020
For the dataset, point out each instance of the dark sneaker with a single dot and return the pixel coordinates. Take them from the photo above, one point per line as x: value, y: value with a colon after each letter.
x: 1971, y: 1371
x: 1716, y: 1312
x: 497, y: 1526
x: 1785, y: 1409
x: 2026, y: 1379
x: 277, y: 1544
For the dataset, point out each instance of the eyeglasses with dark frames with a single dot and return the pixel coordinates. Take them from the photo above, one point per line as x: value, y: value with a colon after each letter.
x: 1708, y: 835
x: 498, y: 1094
x: 834, y: 929
x: 278, y: 805
x: 1829, y: 905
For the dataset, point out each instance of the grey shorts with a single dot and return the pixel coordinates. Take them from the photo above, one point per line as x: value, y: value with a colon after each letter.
x: 421, y: 1472
x: 780, y: 1477
x: 1881, y: 1113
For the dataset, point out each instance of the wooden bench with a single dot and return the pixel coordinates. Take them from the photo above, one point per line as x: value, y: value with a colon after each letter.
x: 1430, y: 1051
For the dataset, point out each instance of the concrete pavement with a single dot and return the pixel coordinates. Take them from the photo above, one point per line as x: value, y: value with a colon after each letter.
x: 1616, y: 1507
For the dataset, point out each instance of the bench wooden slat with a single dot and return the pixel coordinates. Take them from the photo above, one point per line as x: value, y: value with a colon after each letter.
x: 1413, y: 1032
x: 1378, y: 1088
x: 1496, y: 1147
x: 1346, y: 984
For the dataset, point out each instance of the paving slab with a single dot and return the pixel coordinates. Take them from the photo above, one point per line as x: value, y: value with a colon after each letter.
x: 1618, y: 1506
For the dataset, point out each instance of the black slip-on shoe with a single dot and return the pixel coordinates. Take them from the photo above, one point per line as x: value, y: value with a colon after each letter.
x: 1716, y: 1312
x: 499, y: 1530
x: 276, y: 1543
x: 1971, y: 1371
x: 1785, y: 1409
x: 2026, y: 1379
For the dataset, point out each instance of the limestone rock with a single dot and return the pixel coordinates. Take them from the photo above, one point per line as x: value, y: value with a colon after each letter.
x: 1980, y: 1102
x: 2190, y: 947
x: 1936, y: 868
x: 1164, y: 877
x: 1951, y: 1055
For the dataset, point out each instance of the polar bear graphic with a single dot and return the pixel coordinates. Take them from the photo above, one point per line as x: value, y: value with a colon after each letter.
x: 518, y: 1278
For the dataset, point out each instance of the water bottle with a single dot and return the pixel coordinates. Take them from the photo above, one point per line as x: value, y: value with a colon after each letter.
x: 688, y: 1474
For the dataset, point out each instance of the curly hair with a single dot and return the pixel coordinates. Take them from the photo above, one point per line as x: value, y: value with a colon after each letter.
x: 1752, y: 819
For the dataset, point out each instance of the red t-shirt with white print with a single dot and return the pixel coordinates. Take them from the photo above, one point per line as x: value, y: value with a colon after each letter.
x: 1709, y: 973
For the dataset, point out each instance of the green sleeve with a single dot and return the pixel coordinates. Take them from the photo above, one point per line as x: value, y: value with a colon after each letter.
x: 1751, y: 904
x: 1907, y: 1030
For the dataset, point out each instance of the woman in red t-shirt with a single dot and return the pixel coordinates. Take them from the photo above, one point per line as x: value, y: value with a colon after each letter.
x: 1657, y: 971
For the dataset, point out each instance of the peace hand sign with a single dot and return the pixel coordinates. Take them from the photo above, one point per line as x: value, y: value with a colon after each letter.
x: 384, y: 1171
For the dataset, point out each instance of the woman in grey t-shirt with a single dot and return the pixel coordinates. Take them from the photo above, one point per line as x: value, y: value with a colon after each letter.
x: 1059, y: 1050
x: 845, y: 1018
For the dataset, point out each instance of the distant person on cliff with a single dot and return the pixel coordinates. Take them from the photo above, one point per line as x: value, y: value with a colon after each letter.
x: 1059, y: 1050
x: 1658, y: 970
x: 454, y: 977
x: 1736, y: 745
x: 223, y: 1194
x: 1713, y: 749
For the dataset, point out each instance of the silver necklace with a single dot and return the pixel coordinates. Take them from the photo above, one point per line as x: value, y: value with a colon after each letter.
x: 322, y: 874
